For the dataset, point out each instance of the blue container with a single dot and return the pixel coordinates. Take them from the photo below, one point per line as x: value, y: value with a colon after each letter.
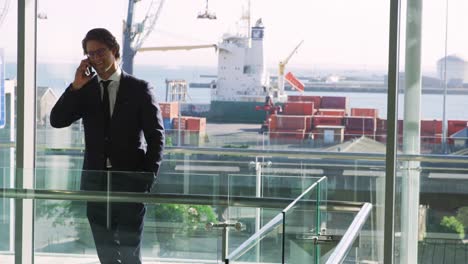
x: 167, y: 123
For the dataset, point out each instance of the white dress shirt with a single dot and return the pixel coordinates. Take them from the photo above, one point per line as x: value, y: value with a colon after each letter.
x: 113, y: 87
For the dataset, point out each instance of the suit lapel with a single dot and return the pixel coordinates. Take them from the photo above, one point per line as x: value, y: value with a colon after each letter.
x: 96, y: 92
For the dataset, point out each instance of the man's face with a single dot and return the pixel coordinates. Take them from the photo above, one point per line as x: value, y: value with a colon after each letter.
x: 101, y: 58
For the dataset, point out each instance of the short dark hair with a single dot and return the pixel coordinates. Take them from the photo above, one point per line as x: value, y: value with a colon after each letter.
x: 104, y: 36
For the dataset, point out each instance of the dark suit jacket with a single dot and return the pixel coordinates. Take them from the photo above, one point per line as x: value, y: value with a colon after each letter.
x: 136, y: 117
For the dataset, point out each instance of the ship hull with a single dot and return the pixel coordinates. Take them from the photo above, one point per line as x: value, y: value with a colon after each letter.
x: 236, y: 112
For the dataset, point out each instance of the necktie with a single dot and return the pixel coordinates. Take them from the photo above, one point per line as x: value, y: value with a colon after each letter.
x: 106, y: 104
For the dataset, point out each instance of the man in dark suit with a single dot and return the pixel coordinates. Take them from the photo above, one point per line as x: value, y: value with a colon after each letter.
x: 124, y: 137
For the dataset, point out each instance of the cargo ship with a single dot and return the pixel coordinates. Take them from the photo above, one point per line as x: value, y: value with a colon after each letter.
x: 242, y: 83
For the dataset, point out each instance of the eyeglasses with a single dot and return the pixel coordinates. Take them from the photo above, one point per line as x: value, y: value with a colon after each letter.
x: 97, y: 53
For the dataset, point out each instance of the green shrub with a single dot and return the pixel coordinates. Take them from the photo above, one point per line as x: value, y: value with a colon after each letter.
x: 191, y: 216
x: 450, y: 224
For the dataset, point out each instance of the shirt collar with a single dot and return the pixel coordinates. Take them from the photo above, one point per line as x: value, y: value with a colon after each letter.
x: 114, y: 77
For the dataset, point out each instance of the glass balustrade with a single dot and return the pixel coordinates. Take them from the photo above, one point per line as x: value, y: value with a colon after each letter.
x: 282, y: 238
x: 177, y: 211
x: 251, y: 190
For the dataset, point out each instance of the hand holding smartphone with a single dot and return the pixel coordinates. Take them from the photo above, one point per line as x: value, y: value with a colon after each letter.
x: 89, y: 71
x: 84, y: 73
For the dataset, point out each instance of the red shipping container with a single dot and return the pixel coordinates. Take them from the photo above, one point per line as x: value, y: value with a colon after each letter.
x: 305, y: 98
x: 327, y: 121
x: 456, y: 125
x: 332, y: 112
x: 196, y: 124
x: 369, y: 112
x: 382, y: 126
x: 431, y: 127
x: 360, y: 123
x: 291, y: 122
x: 169, y: 109
x: 334, y: 102
x: 183, y: 123
x: 298, y: 108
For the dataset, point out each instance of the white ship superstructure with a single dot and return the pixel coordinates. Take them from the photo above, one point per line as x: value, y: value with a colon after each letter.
x: 242, y: 76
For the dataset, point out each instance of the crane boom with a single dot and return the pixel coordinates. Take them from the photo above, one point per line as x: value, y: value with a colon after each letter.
x: 282, y: 65
x: 285, y: 61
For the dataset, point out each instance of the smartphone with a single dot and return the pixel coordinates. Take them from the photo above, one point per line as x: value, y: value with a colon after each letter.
x: 89, y: 71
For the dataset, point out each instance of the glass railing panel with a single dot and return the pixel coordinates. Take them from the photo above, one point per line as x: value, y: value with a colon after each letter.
x: 7, y: 249
x: 302, y: 221
x: 67, y: 216
x: 62, y: 232
x: 6, y: 220
x: 265, y: 246
x: 342, y: 226
x: 357, y: 181
x: 171, y: 230
x: 281, y: 191
x: 177, y: 231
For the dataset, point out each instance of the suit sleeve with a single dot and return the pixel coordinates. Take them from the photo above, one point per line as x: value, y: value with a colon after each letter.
x: 67, y: 109
x: 153, y: 130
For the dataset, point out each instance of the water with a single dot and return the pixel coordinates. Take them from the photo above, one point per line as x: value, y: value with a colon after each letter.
x: 58, y: 76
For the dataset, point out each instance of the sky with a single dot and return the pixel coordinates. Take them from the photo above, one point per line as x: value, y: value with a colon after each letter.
x: 336, y: 33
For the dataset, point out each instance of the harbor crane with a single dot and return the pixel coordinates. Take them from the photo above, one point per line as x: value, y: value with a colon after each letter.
x: 206, y: 14
x: 134, y: 35
x: 282, y: 65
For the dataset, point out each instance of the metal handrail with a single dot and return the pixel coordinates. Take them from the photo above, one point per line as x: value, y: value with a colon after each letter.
x: 250, y: 242
x: 303, y: 194
x: 308, y: 154
x: 152, y: 198
x: 351, y: 234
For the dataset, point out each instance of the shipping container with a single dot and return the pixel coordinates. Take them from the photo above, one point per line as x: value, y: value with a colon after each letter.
x: 290, y: 122
x: 169, y: 109
x: 305, y: 98
x: 334, y: 102
x: 196, y: 124
x: 298, y: 108
x: 167, y: 123
x: 368, y: 112
x: 331, y: 112
x: 456, y: 125
x: 183, y: 124
x: 382, y: 126
x: 360, y: 123
x: 431, y: 127
x: 327, y: 121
